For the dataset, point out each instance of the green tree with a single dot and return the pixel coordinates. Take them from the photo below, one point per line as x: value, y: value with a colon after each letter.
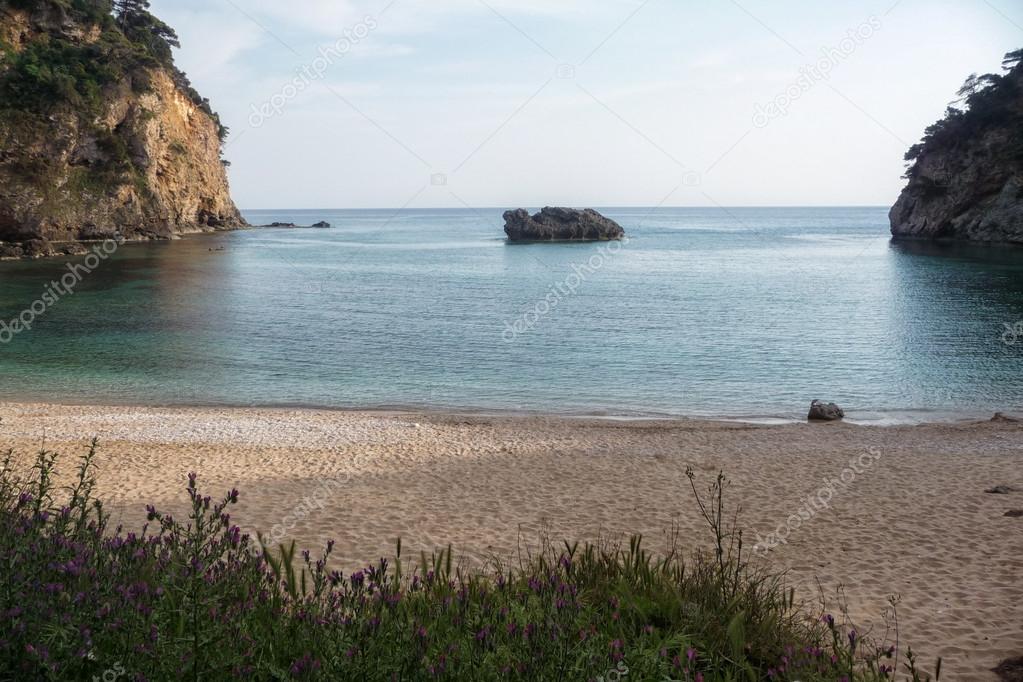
x: 141, y: 27
x: 125, y: 10
x: 983, y: 101
x: 975, y: 84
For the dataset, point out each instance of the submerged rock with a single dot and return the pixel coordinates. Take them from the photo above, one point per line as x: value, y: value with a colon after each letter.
x: 322, y: 223
x: 825, y: 412
x: 560, y: 224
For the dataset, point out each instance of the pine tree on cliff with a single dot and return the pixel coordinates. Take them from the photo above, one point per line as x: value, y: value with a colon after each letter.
x: 982, y: 100
x: 125, y: 8
x: 139, y: 25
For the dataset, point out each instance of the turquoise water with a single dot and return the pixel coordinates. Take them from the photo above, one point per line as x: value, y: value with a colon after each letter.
x: 737, y: 312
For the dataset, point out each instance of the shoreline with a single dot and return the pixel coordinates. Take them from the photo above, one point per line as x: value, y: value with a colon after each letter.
x: 865, y: 417
x: 43, y: 249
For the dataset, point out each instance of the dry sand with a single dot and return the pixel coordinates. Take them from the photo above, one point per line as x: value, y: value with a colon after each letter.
x: 914, y: 520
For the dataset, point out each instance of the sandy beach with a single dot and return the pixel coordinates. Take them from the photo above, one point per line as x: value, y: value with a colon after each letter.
x: 871, y: 511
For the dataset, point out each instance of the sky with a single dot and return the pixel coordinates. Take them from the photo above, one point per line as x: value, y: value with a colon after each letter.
x: 507, y: 103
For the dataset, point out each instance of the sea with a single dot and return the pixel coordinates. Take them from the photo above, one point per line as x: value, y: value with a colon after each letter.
x: 727, y: 313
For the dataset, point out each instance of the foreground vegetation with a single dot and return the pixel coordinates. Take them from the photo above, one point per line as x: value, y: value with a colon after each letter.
x: 195, y: 599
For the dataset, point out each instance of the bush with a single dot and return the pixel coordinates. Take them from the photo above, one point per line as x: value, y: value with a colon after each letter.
x: 197, y: 599
x: 46, y: 73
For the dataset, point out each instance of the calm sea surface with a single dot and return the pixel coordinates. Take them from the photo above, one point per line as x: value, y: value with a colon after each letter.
x: 738, y: 312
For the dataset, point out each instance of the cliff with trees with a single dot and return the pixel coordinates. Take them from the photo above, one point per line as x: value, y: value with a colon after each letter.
x: 966, y: 175
x: 100, y: 134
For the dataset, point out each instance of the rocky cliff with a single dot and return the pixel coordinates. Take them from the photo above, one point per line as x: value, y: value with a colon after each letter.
x: 100, y: 135
x: 966, y: 176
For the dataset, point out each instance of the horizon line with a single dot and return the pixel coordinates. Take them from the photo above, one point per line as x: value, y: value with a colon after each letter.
x: 594, y: 206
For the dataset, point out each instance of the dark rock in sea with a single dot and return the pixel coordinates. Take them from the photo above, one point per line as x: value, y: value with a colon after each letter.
x: 40, y: 248
x: 560, y: 224
x: 1010, y: 670
x: 37, y: 248
x: 14, y: 250
x: 1014, y: 513
x: 1001, y: 418
x: 72, y: 249
x: 824, y: 412
x: 1001, y: 490
x: 966, y: 178
x: 322, y: 223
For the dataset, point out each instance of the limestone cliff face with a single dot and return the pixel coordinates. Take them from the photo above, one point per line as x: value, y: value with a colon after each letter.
x: 98, y: 138
x: 966, y: 180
